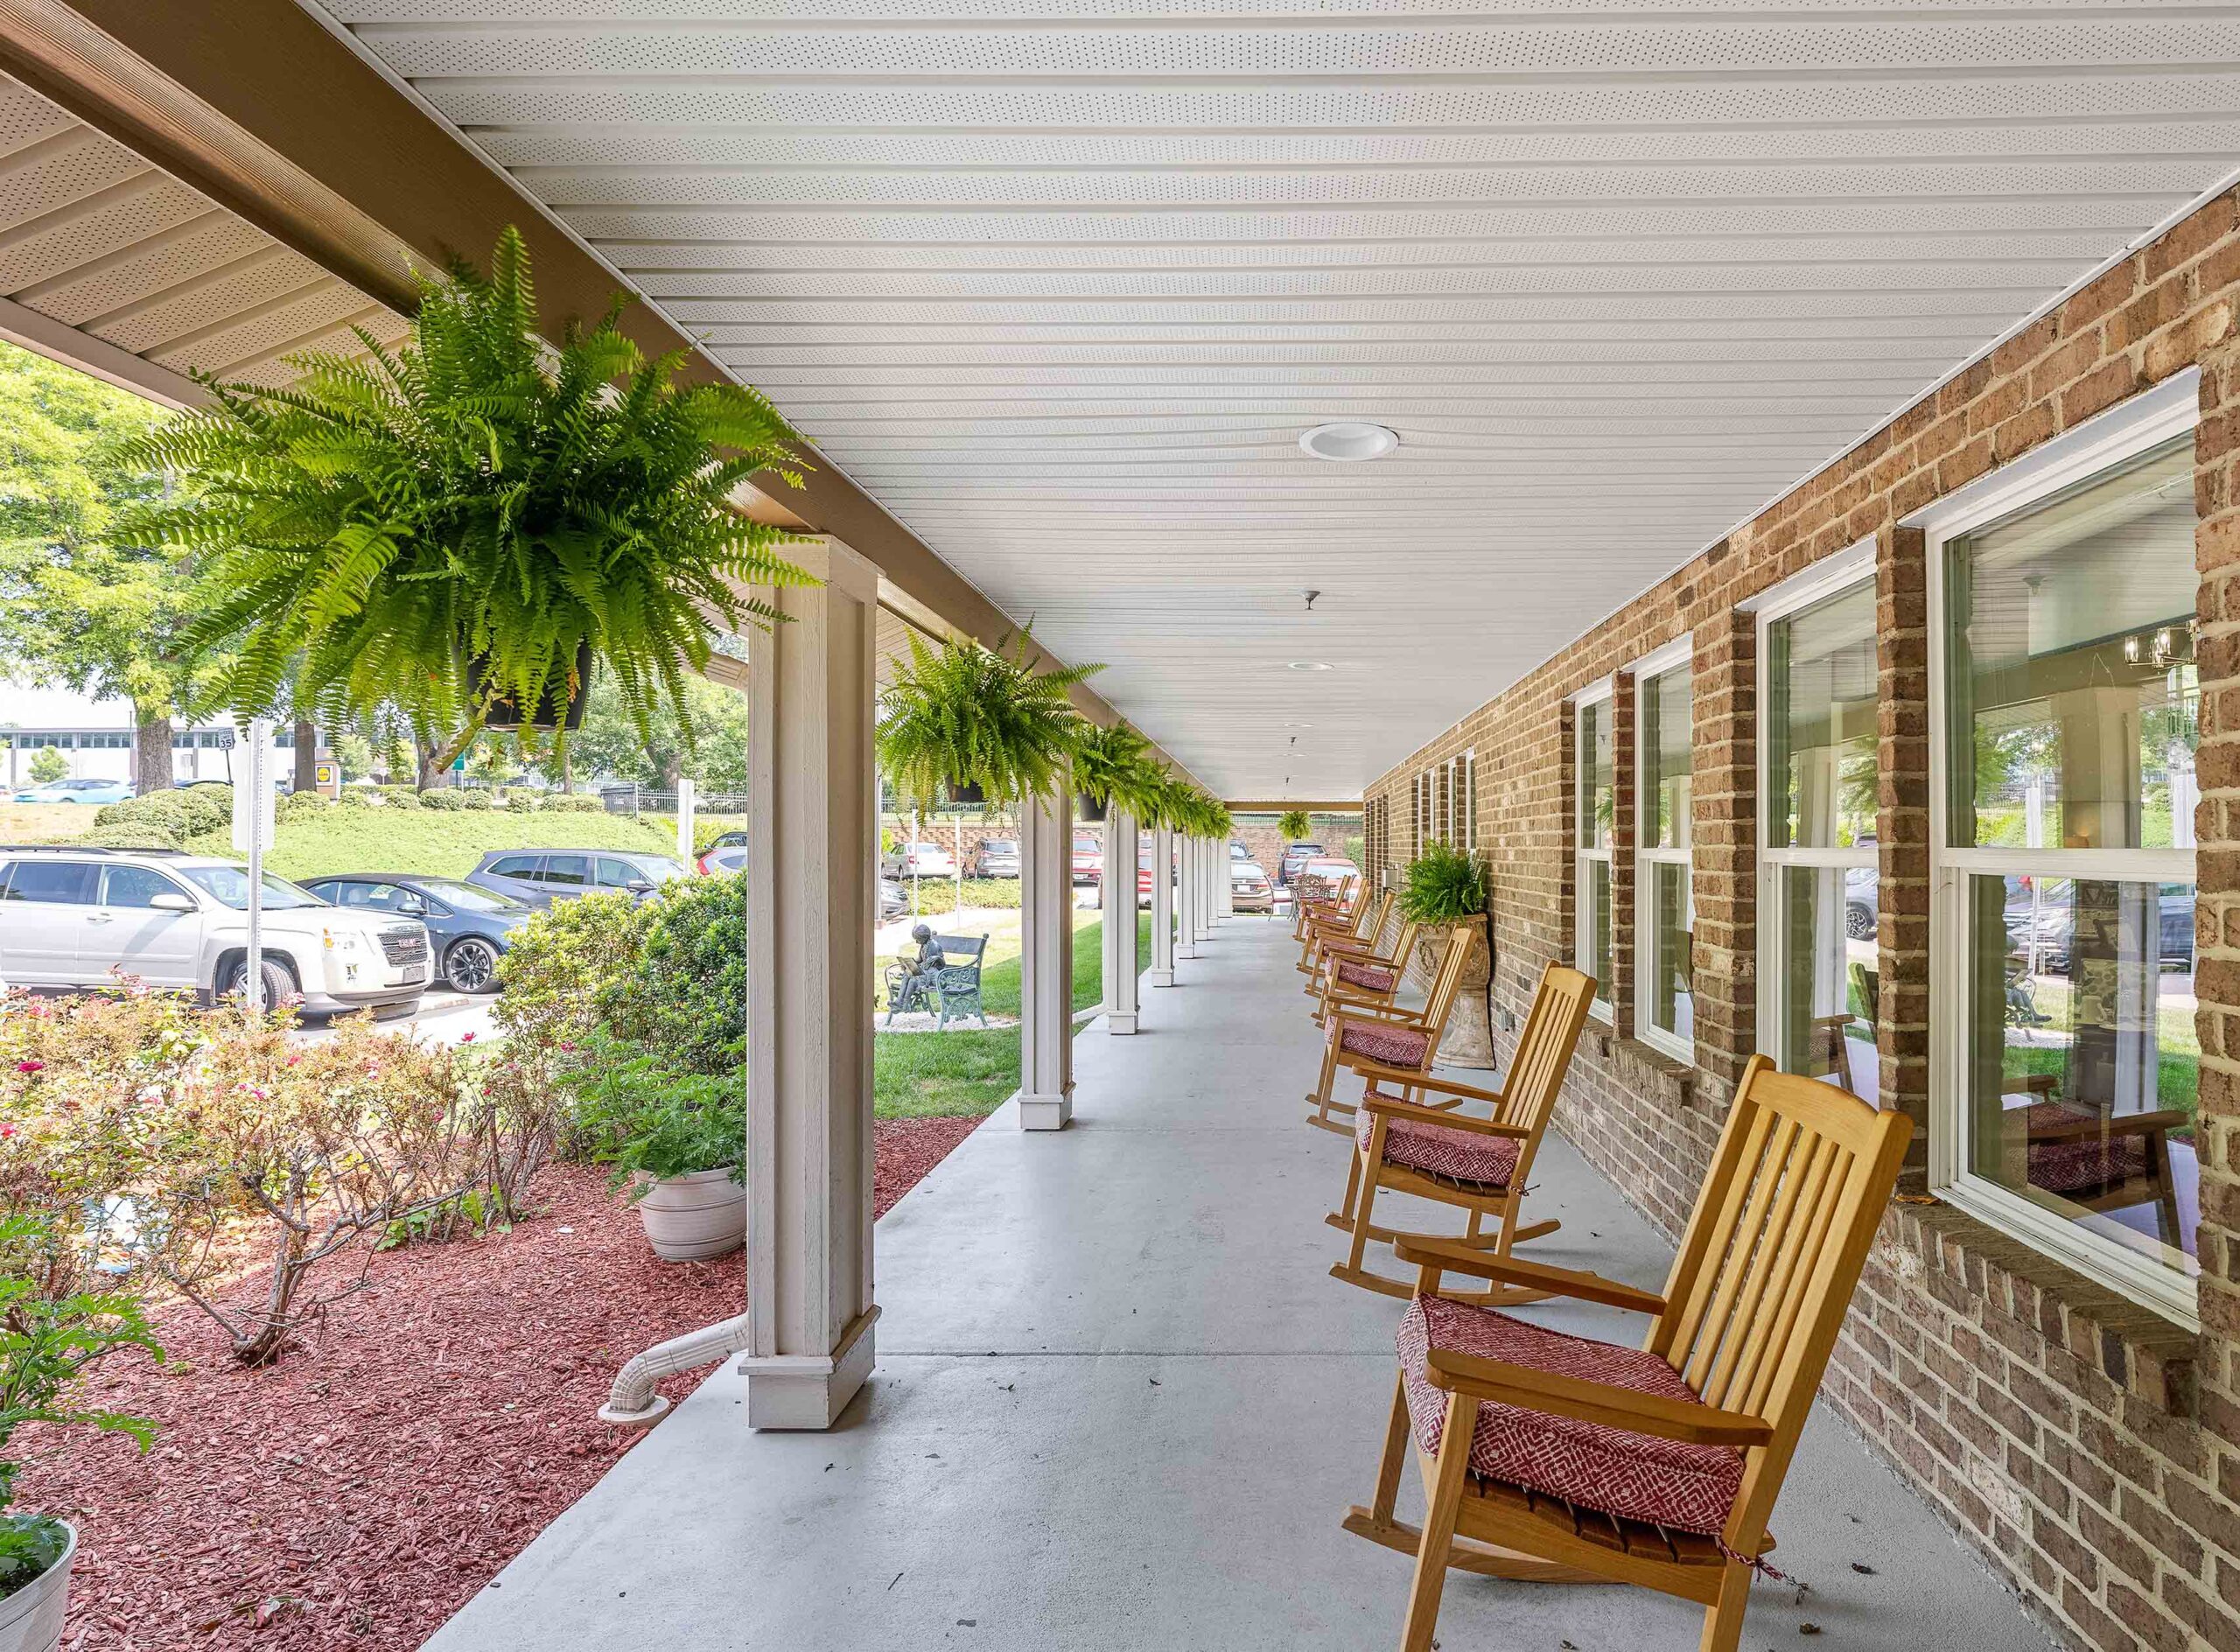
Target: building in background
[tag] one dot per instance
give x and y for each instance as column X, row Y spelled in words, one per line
column 95, row 737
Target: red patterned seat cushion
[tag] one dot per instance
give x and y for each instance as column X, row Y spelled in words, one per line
column 1395, row 1046
column 1688, row 1487
column 2085, row 1162
column 1368, row 975
column 1441, row 1150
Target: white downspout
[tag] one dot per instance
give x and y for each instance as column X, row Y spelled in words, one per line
column 633, row 1404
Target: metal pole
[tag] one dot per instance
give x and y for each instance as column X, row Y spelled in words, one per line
column 259, row 733
column 960, row 861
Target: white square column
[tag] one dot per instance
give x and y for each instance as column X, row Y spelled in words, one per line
column 813, row 844
column 1208, row 902
column 1224, row 885
column 1185, row 905
column 1045, row 890
column 1121, row 985
column 1162, row 970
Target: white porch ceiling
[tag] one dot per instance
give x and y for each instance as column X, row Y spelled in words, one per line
column 1061, row 283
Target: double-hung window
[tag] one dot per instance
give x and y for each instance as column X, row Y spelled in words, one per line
column 1594, row 816
column 1819, row 891
column 1664, row 1014
column 2065, row 718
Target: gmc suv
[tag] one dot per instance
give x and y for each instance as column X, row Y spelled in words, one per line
column 72, row 917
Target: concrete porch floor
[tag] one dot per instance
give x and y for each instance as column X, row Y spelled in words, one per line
column 1120, row 1403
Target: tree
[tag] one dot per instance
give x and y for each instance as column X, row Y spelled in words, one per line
column 47, row 764
column 609, row 742
column 78, row 610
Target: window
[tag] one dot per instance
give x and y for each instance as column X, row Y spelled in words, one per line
column 572, row 869
column 617, row 874
column 2066, row 718
column 520, row 866
column 1818, row 886
column 1664, row 1011
column 1594, row 816
column 134, row 886
column 51, row 883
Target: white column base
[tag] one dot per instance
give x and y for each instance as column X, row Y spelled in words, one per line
column 1044, row 1112
column 1158, row 977
column 1120, row 1020
column 797, row 1391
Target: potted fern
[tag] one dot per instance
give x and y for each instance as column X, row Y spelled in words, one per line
column 1442, row 887
column 978, row 724
column 1114, row 765
column 1294, row 826
column 466, row 528
column 47, row 1344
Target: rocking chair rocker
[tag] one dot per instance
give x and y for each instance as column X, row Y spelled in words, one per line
column 1478, row 1165
column 1555, row 1458
column 1407, row 1039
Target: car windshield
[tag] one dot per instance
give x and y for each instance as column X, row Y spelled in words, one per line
column 660, row 868
column 467, row 898
column 230, row 884
column 1000, row 846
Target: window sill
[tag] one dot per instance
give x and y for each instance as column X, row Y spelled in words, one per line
column 1642, row 1065
column 1970, row 1266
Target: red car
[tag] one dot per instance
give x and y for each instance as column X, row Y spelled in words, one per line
column 1088, row 859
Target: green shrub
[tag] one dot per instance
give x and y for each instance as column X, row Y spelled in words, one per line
column 296, row 805
column 645, row 1116
column 130, row 837
column 399, row 796
column 473, row 800
column 557, row 965
column 687, row 997
column 560, row 805
column 443, row 797
column 355, row 797
column 184, row 813
column 1442, row 884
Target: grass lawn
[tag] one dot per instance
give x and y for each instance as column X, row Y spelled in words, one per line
column 434, row 843
column 972, row 1072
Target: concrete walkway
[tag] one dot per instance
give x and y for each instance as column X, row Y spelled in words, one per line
column 1120, row 1403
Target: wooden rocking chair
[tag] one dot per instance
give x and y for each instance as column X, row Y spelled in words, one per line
column 1313, row 897
column 1556, row 1459
column 1478, row 1165
column 1355, row 933
column 1370, row 979
column 1404, row 1039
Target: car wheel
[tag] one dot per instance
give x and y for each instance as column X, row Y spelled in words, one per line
column 278, row 983
column 1859, row 922
column 472, row 965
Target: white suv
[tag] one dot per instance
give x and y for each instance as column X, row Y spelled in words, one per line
column 82, row 917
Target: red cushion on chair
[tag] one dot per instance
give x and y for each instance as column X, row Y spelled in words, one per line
column 1395, row 1046
column 1441, row 1150
column 2080, row 1164
column 1370, row 976
column 1633, row 1476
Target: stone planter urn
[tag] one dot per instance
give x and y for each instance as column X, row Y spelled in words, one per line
column 30, row 1619
column 689, row 1219
column 1469, row 1039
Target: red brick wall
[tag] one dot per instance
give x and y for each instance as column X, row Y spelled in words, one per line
column 2088, row 1449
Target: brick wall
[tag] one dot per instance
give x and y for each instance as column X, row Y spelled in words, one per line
column 2088, row 1449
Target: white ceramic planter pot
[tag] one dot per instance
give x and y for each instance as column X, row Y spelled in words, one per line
column 687, row 1219
column 30, row 1619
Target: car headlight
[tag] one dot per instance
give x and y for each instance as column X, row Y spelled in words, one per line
column 344, row 941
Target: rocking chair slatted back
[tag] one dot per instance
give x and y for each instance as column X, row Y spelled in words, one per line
column 1771, row 1256
column 1364, row 922
column 1544, row 1054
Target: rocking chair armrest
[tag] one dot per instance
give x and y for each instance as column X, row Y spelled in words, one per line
column 1375, row 1070
column 1449, row 1257
column 1591, row 1402
column 1393, row 1107
column 1354, row 1012
column 1345, row 998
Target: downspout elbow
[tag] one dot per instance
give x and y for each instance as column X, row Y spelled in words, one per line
column 633, row 1402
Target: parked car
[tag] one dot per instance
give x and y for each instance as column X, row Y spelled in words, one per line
column 917, row 860
column 73, row 917
column 1088, row 859
column 722, row 860
column 894, row 900
column 469, row 927
column 1249, row 888
column 2055, row 923
column 1333, row 869
column 729, row 840
column 995, row 857
column 541, row 878
column 1295, row 856
column 67, row 791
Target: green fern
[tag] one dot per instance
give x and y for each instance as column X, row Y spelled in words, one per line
column 966, row 714
column 1443, row 885
column 1294, row 825
column 1114, row 766
column 442, row 528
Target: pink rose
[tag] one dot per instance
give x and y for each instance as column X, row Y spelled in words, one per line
column 30, row 1067
column 466, row 1037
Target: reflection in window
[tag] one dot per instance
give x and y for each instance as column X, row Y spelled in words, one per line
column 1666, row 1002
column 2072, row 716
column 1594, row 814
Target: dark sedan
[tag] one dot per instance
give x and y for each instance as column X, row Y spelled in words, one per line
column 469, row 927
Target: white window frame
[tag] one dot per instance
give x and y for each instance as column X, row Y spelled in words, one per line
column 2168, row 411
column 1833, row 576
column 1598, row 697
column 1680, row 651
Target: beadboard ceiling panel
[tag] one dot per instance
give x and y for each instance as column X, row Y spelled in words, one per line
column 1061, row 283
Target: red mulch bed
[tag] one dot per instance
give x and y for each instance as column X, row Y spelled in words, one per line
column 355, row 1494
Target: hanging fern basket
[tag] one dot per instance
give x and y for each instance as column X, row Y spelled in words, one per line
column 967, row 793
column 1087, row 808
column 551, row 712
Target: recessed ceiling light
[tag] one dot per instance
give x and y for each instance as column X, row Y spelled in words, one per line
column 1349, row 441
column 1298, row 725
column 1312, row 665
